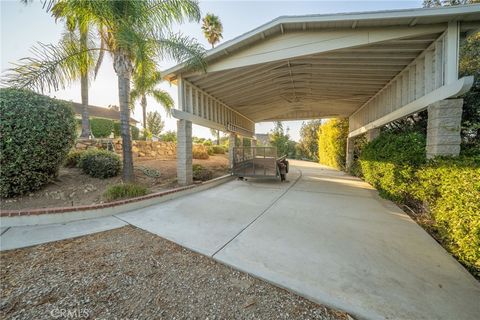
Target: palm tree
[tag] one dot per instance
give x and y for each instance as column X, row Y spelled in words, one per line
column 78, row 37
column 131, row 30
column 145, row 84
column 212, row 28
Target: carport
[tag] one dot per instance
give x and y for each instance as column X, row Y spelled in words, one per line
column 372, row 67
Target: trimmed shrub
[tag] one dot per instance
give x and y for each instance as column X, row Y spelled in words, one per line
column 210, row 150
column 201, row 173
column 72, row 158
column 36, row 133
column 218, row 150
column 207, row 143
column 332, row 139
column 100, row 163
column 149, row 172
column 389, row 163
column 135, row 132
column 199, row 152
column 124, row 191
column 450, row 188
column 101, row 128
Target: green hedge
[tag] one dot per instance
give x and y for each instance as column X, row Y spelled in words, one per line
column 451, row 189
column 101, row 128
column 36, row 134
column 448, row 187
column 116, row 129
column 332, row 139
column 390, row 161
column 135, row 133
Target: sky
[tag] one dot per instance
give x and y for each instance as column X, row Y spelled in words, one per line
column 23, row 26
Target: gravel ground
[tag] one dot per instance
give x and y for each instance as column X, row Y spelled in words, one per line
column 128, row 273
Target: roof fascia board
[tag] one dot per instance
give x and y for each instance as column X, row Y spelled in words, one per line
column 169, row 74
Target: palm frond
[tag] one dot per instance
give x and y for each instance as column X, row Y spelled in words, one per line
column 134, row 96
column 51, row 67
column 164, row 99
column 101, row 54
column 182, row 49
column 165, row 13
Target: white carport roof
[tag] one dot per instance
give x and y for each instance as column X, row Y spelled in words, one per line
column 316, row 66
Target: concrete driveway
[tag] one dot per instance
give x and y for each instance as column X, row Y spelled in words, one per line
column 325, row 235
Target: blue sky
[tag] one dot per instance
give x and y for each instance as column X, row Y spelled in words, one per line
column 23, row 26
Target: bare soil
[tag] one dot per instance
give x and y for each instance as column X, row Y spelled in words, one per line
column 128, row 273
column 74, row 188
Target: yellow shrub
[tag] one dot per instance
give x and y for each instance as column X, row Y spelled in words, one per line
column 332, row 139
column 200, row 152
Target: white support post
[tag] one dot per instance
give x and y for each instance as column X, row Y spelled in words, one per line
column 443, row 129
column 181, row 94
column 451, row 60
column 184, row 152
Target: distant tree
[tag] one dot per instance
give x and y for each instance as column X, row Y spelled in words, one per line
column 155, row 124
column 216, row 134
column 280, row 139
column 212, row 28
column 308, row 145
column 169, row 136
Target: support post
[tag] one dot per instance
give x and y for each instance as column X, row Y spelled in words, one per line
column 443, row 130
column 349, row 157
column 184, row 152
column 232, row 137
column 372, row 134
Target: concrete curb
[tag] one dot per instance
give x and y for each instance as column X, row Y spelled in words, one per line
column 67, row 214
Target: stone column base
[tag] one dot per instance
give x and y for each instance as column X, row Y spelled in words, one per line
column 232, row 137
column 443, row 130
column 349, row 158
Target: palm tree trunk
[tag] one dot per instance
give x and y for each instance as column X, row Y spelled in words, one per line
column 218, row 137
column 84, row 92
column 144, row 113
column 85, row 121
column 123, row 68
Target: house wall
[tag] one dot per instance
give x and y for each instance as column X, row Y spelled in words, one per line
column 140, row 149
